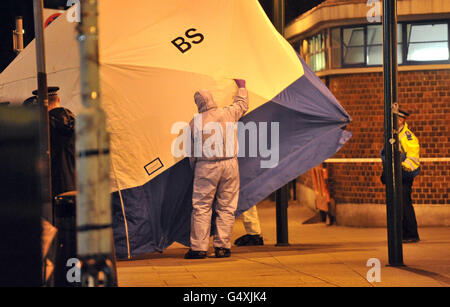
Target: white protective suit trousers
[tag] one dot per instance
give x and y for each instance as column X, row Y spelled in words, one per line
column 216, row 185
column 251, row 221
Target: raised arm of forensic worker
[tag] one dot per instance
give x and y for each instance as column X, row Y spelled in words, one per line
column 240, row 103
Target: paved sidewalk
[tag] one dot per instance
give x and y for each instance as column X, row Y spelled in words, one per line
column 318, row 256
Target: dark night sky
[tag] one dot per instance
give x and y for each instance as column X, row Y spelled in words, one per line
column 9, row 9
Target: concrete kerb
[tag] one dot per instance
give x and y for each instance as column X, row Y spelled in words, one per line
column 374, row 215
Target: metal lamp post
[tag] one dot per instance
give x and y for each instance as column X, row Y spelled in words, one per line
column 47, row 211
column 94, row 218
column 282, row 194
column 392, row 164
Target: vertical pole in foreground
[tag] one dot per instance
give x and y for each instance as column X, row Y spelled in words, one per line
column 282, row 195
column 392, row 162
column 38, row 8
column 94, row 233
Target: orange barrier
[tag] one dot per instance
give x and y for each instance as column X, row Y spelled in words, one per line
column 323, row 200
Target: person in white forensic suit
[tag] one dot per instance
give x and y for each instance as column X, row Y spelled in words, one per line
column 216, row 171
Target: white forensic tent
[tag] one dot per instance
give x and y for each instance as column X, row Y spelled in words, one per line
column 153, row 56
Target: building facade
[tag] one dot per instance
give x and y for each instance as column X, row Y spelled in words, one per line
column 342, row 41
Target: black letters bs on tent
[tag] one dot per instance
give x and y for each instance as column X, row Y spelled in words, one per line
column 183, row 45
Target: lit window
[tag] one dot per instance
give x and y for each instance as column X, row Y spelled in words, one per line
column 316, row 54
column 353, row 43
column 427, row 42
column 375, row 45
column 362, row 45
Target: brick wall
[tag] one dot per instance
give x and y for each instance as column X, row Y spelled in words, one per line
column 426, row 96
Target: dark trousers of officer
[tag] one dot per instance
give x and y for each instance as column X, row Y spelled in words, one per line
column 409, row 216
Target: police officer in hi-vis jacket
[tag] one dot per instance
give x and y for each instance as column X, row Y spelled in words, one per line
column 409, row 147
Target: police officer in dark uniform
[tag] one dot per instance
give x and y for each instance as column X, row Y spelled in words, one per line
column 62, row 143
column 410, row 151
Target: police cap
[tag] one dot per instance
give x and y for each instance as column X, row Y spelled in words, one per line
column 30, row 101
column 52, row 90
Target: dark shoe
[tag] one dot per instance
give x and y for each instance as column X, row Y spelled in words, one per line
column 195, row 254
column 411, row 240
column 222, row 252
column 249, row 240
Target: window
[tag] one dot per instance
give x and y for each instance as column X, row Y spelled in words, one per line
column 418, row 43
column 316, row 52
column 375, row 45
column 353, row 46
column 427, row 42
column 361, row 46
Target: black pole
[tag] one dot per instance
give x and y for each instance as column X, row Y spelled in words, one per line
column 282, row 195
column 38, row 8
column 40, row 52
column 392, row 164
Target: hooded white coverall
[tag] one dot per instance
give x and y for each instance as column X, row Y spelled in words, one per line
column 216, row 176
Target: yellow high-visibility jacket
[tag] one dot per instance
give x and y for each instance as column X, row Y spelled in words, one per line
column 409, row 145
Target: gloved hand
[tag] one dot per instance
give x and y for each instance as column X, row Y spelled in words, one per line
column 240, row 83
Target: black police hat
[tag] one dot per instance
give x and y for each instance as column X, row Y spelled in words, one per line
column 52, row 90
column 402, row 113
column 30, row 101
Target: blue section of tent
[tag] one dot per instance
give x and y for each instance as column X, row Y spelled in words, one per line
column 303, row 144
column 310, row 121
column 157, row 213
column 310, row 131
column 310, row 96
